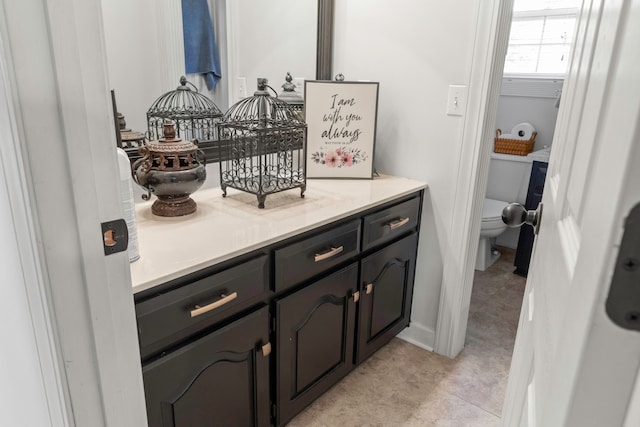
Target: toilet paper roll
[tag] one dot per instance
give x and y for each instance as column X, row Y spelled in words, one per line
column 522, row 131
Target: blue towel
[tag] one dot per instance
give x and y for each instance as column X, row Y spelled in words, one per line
column 200, row 49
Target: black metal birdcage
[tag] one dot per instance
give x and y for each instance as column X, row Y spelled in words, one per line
column 195, row 116
column 262, row 146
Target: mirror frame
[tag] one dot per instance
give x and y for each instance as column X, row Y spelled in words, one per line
column 325, row 39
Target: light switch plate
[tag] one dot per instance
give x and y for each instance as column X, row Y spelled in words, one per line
column 242, row 87
column 457, row 100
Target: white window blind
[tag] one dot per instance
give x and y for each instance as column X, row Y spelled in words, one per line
column 541, row 37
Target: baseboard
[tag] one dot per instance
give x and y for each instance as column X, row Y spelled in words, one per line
column 419, row 335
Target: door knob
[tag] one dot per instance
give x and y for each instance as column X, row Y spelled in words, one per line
column 514, row 215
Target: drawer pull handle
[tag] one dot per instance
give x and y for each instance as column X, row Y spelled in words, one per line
column 197, row 311
column 266, row 349
column 333, row 252
column 369, row 288
column 398, row 223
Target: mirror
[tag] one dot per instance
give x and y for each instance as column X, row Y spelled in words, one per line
column 145, row 54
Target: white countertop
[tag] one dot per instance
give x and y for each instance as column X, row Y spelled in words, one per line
column 223, row 228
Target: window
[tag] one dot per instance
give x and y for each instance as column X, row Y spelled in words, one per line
column 541, row 37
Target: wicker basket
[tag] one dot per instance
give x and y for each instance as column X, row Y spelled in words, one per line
column 518, row 147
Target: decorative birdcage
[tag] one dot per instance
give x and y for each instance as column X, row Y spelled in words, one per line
column 194, row 115
column 262, row 146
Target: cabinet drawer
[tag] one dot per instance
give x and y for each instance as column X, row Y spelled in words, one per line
column 169, row 317
column 303, row 260
column 391, row 222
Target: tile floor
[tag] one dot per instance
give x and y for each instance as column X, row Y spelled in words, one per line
column 404, row 385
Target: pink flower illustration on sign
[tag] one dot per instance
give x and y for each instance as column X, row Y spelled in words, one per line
column 332, row 159
column 347, row 159
column 338, row 157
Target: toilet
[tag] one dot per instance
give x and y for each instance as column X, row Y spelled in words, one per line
column 492, row 226
column 508, row 182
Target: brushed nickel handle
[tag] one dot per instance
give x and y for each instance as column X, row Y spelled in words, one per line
column 197, row 311
column 369, row 288
column 356, row 296
column 333, row 252
column 266, row 349
column 398, row 223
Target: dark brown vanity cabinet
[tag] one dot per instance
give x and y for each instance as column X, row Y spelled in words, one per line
column 221, row 379
column 315, row 330
column 325, row 299
column 385, row 295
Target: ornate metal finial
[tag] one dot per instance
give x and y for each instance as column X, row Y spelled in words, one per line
column 183, row 84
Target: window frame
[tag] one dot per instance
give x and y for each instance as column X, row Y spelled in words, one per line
column 541, row 13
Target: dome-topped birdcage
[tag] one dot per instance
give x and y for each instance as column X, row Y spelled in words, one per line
column 262, row 146
column 194, row 115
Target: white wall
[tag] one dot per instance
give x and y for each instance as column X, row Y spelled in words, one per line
column 271, row 39
column 133, row 57
column 145, row 54
column 415, row 49
column 22, row 394
column 529, row 100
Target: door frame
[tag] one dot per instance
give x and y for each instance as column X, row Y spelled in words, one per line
column 492, row 35
column 64, row 144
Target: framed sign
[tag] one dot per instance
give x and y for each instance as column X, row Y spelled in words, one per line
column 341, row 128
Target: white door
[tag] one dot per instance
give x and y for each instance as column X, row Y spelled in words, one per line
column 571, row 365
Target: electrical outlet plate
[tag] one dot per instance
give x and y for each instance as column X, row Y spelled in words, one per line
column 457, row 100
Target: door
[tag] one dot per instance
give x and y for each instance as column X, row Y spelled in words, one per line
column 571, row 365
column 315, row 334
column 385, row 295
column 221, row 379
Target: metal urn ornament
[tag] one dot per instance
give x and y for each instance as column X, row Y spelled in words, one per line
column 290, row 95
column 171, row 169
column 262, row 146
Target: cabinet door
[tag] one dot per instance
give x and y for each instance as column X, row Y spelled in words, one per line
column 315, row 330
column 385, row 295
column 222, row 379
column 534, row 197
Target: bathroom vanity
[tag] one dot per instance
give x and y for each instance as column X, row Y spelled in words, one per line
column 245, row 316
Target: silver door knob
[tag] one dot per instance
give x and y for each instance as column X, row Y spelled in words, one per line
column 514, row 215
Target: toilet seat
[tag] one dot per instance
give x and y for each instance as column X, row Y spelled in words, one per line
column 492, row 211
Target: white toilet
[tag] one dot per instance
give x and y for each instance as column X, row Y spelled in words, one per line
column 508, row 182
column 492, row 226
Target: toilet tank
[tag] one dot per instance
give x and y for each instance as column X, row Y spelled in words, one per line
column 509, row 177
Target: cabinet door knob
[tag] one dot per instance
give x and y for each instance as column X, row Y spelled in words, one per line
column 356, row 296
column 398, row 223
column 329, row 254
column 197, row 310
column 369, row 288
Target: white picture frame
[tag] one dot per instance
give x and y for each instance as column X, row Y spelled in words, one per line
column 341, row 122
